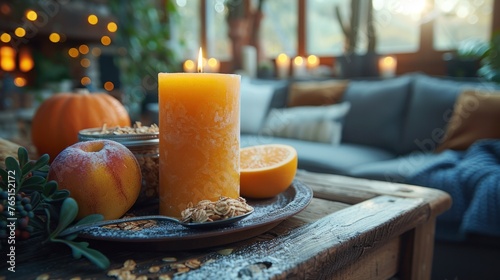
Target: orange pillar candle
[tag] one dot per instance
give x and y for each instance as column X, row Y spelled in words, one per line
column 199, row 123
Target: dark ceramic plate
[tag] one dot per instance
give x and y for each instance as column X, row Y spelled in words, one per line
column 169, row 236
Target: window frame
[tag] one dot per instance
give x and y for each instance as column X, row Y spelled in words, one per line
column 425, row 59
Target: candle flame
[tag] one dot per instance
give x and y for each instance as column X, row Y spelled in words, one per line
column 200, row 61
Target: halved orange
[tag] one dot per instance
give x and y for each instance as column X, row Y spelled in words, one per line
column 266, row 170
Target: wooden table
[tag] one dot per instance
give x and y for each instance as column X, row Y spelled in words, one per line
column 352, row 229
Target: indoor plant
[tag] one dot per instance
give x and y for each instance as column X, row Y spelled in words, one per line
column 465, row 62
column 353, row 64
column 490, row 64
column 145, row 40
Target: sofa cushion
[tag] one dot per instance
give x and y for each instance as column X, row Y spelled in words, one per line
column 316, row 93
column 377, row 110
column 319, row 157
column 255, row 104
column 309, row 123
column 476, row 115
column 280, row 95
column 430, row 108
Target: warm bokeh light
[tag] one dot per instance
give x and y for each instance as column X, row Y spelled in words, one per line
column 96, row 51
column 26, row 62
column 20, row 32
column 109, row 86
column 112, row 27
column 298, row 60
column 312, row 61
column 387, row 66
column 73, row 52
column 31, row 15
column 389, row 61
column 93, row 19
column 20, row 81
column 189, row 66
column 85, row 81
column 84, row 49
column 85, row 62
column 213, row 65
column 5, row 9
column 105, row 40
column 282, row 66
column 7, row 58
column 54, row 37
column 212, row 62
column 282, row 58
column 5, row 37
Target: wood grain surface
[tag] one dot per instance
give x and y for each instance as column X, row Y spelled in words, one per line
column 352, row 229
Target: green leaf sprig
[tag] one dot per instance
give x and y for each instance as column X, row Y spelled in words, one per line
column 51, row 210
column 69, row 210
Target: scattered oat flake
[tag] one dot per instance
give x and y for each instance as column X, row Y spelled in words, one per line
column 142, row 277
column 177, row 265
column 208, row 261
column 114, row 272
column 225, row 252
column 126, row 275
column 154, row 269
column 169, row 259
column 44, row 276
column 193, row 263
column 164, row 277
column 76, row 278
column 129, row 264
column 182, row 270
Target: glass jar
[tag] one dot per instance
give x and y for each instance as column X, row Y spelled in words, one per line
column 145, row 147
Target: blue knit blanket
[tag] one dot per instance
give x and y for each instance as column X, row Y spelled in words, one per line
column 472, row 178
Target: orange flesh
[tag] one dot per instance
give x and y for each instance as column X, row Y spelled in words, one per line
column 262, row 157
column 267, row 170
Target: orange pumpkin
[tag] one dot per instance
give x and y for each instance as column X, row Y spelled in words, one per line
column 58, row 120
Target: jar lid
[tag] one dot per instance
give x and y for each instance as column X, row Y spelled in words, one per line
column 125, row 139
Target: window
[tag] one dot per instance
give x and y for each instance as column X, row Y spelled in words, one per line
column 188, row 31
column 396, row 26
column 462, row 21
column 397, row 23
column 218, row 42
column 323, row 34
column 278, row 31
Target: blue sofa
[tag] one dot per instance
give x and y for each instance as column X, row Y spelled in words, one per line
column 391, row 130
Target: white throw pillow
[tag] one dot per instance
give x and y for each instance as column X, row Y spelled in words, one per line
column 311, row 123
column 254, row 106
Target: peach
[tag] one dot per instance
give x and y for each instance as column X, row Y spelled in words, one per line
column 103, row 176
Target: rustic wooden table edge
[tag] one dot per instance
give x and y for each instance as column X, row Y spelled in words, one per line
column 418, row 242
